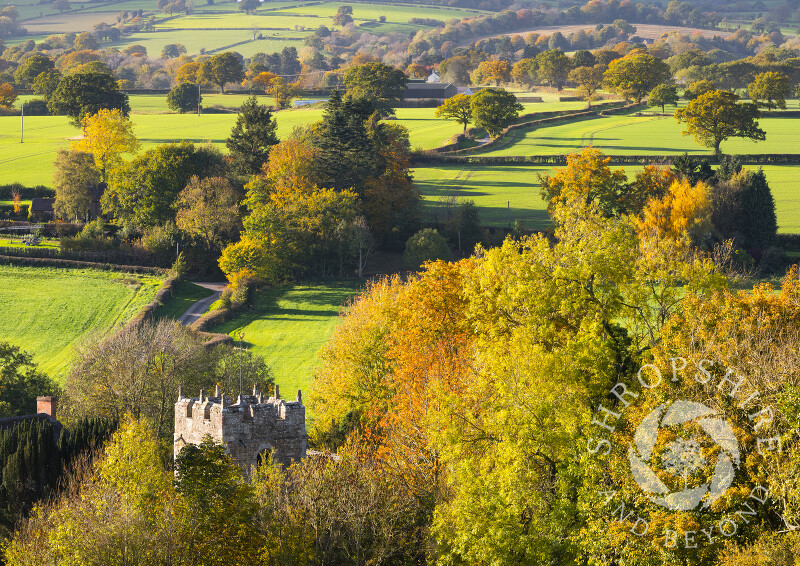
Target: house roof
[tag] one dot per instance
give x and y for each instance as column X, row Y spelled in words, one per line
column 430, row 90
column 42, row 204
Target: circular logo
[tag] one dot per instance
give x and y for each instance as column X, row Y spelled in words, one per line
column 684, row 456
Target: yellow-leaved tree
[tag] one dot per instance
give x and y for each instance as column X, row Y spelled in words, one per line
column 107, row 135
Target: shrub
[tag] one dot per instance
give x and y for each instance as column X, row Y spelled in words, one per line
column 426, row 245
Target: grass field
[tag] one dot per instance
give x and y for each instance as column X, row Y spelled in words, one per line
column 49, row 312
column 642, row 136
column 221, row 25
column 288, row 325
column 31, row 162
column 503, row 192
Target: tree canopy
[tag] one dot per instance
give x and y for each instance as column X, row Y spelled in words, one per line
column 377, row 82
column 222, row 68
column 716, row 116
column 85, row 94
column 252, row 137
column 636, row 74
column 494, row 110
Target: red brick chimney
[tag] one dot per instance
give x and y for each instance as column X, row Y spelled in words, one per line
column 46, row 405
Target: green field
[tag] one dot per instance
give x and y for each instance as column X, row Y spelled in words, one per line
column 49, row 312
column 221, row 26
column 288, row 325
column 503, row 192
column 30, row 163
column 632, row 135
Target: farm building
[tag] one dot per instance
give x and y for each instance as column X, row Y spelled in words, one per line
column 429, row 91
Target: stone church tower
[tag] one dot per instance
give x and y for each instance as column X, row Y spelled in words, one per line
column 252, row 428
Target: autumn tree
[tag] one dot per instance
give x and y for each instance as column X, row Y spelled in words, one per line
column 663, row 95
column 636, row 74
column 589, row 81
column 743, row 208
column 188, row 73
column 252, row 137
column 457, row 107
column 494, row 110
column 8, row 94
column 716, row 116
column 770, row 89
column 493, row 71
column 209, row 210
column 107, row 135
column 291, row 234
column 221, row 69
column 75, row 173
column 524, row 72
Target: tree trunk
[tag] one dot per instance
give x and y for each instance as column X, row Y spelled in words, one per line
column 716, row 147
column 663, row 109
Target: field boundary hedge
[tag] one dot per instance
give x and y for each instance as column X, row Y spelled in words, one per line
column 542, row 119
column 749, row 159
column 57, row 262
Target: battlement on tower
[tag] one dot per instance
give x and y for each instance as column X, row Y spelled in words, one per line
column 251, row 427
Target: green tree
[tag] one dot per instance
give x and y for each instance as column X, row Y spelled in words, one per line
column 173, row 50
column 249, row 6
column 636, row 74
column 221, row 69
column 663, row 95
column 457, row 107
column 46, row 83
column 215, row 507
column 144, row 192
column 426, row 245
column 61, row 5
column 74, row 175
column 524, row 72
column 184, row 98
column 85, row 94
column 20, row 382
column 589, row 81
column 343, row 16
column 770, row 89
column 697, row 88
column 553, row 67
column 379, row 83
column 252, row 137
column 209, row 210
column 742, row 207
column 32, row 67
column 86, row 41
column 494, row 110
column 716, row 116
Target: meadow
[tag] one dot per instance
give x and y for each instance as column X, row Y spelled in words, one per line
column 288, row 325
column 30, row 163
column 508, row 193
column 641, row 135
column 218, row 26
column 51, row 311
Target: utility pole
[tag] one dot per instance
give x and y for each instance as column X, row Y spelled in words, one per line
column 22, row 124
